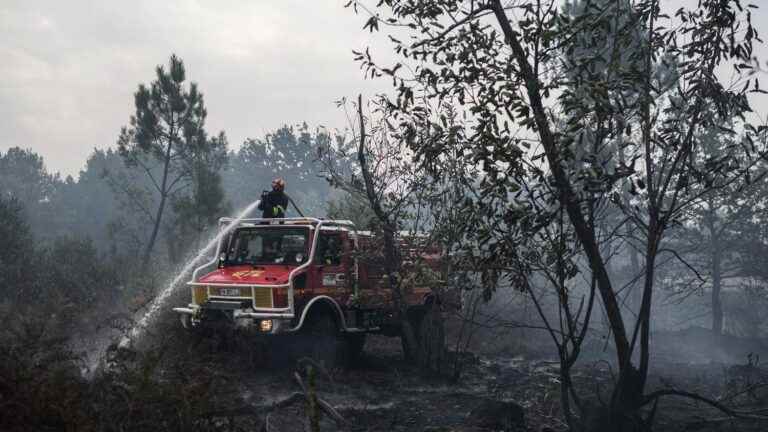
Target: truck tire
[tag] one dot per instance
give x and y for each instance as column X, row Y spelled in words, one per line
column 354, row 347
column 323, row 340
column 429, row 335
column 415, row 318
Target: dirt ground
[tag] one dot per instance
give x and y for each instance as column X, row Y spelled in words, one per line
column 384, row 393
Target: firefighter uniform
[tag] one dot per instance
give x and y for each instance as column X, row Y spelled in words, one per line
column 273, row 204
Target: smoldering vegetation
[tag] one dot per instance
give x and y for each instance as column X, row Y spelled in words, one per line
column 61, row 366
column 501, row 374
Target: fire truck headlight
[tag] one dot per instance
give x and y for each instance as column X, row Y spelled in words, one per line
column 265, row 325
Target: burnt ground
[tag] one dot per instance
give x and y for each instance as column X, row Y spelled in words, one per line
column 384, row 393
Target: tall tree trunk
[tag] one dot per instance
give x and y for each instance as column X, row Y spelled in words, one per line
column 391, row 252
column 717, row 277
column 636, row 291
column 173, row 240
column 161, row 205
column 623, row 412
column 717, row 302
column 644, row 317
column 567, row 196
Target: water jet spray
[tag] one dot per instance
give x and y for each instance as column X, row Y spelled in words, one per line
column 154, row 307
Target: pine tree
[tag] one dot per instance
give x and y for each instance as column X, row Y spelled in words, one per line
column 164, row 138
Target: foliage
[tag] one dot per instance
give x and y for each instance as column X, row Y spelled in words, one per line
column 87, row 206
column 550, row 115
column 23, row 175
column 17, row 251
column 717, row 225
column 290, row 153
column 374, row 169
column 199, row 209
column 42, row 382
column 166, row 139
column 393, row 181
column 349, row 207
column 64, row 278
column 41, row 377
column 73, row 275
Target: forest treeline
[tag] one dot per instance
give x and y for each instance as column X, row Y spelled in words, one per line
column 105, row 201
column 99, row 221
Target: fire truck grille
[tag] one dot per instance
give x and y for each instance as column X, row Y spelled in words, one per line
column 262, row 298
column 199, row 295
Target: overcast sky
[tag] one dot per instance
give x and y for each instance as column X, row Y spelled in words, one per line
column 68, row 69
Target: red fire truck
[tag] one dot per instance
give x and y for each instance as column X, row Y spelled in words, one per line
column 300, row 275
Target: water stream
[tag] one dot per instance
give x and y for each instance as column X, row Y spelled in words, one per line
column 137, row 330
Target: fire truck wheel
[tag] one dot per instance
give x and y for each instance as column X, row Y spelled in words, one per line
column 189, row 327
column 355, row 343
column 325, row 344
column 415, row 318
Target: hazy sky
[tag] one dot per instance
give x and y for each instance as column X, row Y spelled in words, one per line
column 68, row 69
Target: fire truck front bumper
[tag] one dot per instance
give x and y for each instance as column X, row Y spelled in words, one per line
column 227, row 314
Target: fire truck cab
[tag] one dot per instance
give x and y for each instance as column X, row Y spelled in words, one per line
column 290, row 275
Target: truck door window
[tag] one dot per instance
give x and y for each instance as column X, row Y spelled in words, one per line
column 328, row 250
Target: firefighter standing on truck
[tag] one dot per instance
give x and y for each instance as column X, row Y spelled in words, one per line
column 275, row 202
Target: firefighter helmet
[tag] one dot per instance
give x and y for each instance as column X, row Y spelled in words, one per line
column 278, row 184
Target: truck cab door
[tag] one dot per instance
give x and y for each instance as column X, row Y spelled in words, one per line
column 330, row 270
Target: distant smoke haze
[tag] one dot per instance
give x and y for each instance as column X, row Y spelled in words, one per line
column 69, row 69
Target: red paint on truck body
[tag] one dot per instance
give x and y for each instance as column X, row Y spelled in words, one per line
column 250, row 275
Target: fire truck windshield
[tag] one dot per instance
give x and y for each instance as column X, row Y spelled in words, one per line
column 253, row 246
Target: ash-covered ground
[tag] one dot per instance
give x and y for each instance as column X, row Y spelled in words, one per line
column 508, row 381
